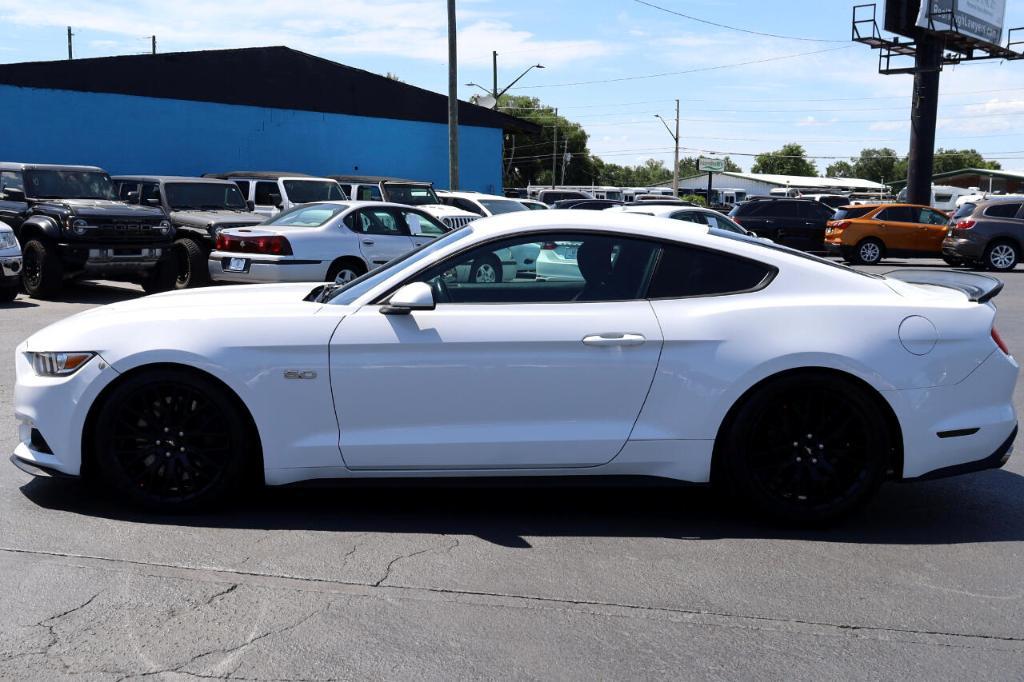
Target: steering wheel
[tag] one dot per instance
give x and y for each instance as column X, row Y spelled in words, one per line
column 440, row 289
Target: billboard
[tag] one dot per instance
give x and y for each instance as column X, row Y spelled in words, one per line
column 981, row 19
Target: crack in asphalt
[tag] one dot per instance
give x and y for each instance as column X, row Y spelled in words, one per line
column 554, row 601
column 50, row 624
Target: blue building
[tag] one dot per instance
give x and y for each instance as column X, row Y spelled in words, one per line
column 273, row 108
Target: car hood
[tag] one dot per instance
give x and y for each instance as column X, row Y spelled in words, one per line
column 213, row 218
column 106, row 208
column 444, row 210
column 142, row 318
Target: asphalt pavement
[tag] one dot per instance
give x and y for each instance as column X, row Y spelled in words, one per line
column 454, row 582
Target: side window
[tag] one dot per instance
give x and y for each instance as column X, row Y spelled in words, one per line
column 382, row 221
column 467, row 205
column 368, row 193
column 126, row 188
column 12, row 180
column 422, row 224
column 896, row 214
column 930, row 217
column 576, row 267
column 243, row 187
column 688, row 216
column 684, row 272
column 264, row 192
column 150, row 191
column 1003, row 210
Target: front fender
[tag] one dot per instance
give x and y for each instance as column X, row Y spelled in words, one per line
column 40, row 225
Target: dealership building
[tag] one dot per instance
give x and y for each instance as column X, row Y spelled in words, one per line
column 272, row 108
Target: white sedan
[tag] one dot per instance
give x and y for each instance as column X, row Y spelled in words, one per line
column 696, row 355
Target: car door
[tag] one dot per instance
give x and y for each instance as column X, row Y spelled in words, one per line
column 790, row 223
column 383, row 234
column 12, row 199
column 423, row 229
column 502, row 375
column 267, row 197
column 898, row 228
column 931, row 230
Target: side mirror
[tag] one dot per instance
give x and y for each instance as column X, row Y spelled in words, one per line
column 11, row 194
column 415, row 296
column 275, row 200
column 153, row 202
column 132, row 197
column 251, row 205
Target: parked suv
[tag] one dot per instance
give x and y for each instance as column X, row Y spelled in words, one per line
column 70, row 224
column 408, row 192
column 272, row 192
column 866, row 234
column 798, row 223
column 986, row 234
column 10, row 264
column 199, row 208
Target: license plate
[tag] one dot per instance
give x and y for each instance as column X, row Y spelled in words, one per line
column 237, row 265
column 569, row 252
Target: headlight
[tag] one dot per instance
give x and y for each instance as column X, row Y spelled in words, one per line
column 164, row 226
column 58, row 364
column 80, row 226
column 7, row 240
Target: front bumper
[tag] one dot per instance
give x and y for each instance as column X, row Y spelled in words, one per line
column 10, row 268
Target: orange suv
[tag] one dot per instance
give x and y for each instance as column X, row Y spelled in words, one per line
column 866, row 234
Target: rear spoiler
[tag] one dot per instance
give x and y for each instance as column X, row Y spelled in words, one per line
column 979, row 288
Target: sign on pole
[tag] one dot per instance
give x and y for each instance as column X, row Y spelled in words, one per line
column 710, row 165
column 981, row 19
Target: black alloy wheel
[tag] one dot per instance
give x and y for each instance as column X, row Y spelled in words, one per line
column 42, row 272
column 171, row 441
column 807, row 448
column 190, row 264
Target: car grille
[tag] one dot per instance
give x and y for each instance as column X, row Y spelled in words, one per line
column 109, row 230
column 457, row 221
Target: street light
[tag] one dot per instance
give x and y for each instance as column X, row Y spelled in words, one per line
column 494, row 92
column 675, row 138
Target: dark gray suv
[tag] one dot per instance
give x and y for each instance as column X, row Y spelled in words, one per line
column 986, row 234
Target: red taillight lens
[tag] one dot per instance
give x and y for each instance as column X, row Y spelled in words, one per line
column 274, row 246
column 840, row 224
column 966, row 224
column 548, row 246
column 999, row 341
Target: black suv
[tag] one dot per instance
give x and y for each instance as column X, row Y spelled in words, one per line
column 798, row 223
column 199, row 208
column 70, row 224
column 986, row 234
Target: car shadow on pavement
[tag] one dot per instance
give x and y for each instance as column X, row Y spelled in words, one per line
column 983, row 507
column 98, row 294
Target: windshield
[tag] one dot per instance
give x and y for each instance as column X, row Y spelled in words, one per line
column 210, row 196
column 69, row 184
column 360, row 285
column 965, row 210
column 307, row 191
column 499, row 206
column 411, row 195
column 309, row 215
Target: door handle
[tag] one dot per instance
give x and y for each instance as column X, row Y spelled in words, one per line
column 614, row 340
column 368, row 242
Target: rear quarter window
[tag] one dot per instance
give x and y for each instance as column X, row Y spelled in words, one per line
column 851, row 212
column 1003, row 210
column 685, row 272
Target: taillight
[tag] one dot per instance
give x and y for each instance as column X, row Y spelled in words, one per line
column 966, row 224
column 840, row 224
column 548, row 246
column 275, row 245
column 999, row 341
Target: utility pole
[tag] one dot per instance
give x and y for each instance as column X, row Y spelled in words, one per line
column 554, row 151
column 494, row 91
column 565, row 158
column 453, row 101
column 70, row 53
column 154, row 44
column 675, row 138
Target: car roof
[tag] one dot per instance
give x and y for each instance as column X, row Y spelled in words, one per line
column 472, row 195
column 369, row 179
column 360, row 204
column 170, row 178
column 257, row 175
column 16, row 165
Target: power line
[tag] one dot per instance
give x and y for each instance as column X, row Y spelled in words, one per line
column 735, row 28
column 687, row 71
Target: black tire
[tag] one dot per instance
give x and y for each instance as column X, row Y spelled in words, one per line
column 42, row 272
column 954, row 262
column 807, row 448
column 486, row 270
column 190, row 261
column 8, row 294
column 868, row 251
column 161, row 278
column 172, row 440
column 345, row 271
column 1001, row 256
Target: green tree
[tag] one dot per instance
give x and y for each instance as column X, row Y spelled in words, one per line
column 528, row 158
column 840, row 169
column 956, row 159
column 790, row 160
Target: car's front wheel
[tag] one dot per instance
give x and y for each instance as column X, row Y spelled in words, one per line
column 172, row 440
column 1001, row 256
column 806, row 448
column 42, row 270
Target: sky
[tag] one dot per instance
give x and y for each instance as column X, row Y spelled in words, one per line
column 611, row 65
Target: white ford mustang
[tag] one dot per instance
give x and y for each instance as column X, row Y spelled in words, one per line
column 694, row 355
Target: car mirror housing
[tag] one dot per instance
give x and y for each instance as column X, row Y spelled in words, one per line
column 414, row 296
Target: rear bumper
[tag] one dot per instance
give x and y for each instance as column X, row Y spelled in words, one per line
column 994, row 461
column 265, row 269
column 958, row 247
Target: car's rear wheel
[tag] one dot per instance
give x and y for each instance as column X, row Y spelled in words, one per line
column 1001, row 256
column 42, row 270
column 868, row 252
column 191, row 264
column 485, row 270
column 171, row 440
column 806, row 448
column 345, row 271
